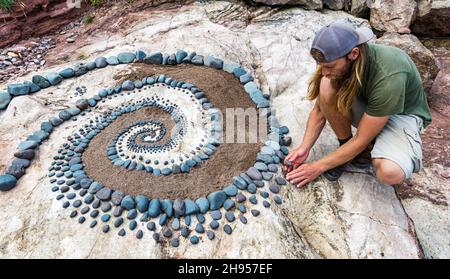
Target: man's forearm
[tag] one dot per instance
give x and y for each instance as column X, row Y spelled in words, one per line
column 314, row 126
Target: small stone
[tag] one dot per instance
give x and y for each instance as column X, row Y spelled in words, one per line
column 199, row 228
column 126, row 57
column 167, row 207
column 122, row 232
column 28, row 144
column 253, row 199
column 112, row 60
column 93, row 224
column 7, row 182
column 104, row 194
column 118, row 222
column 155, row 237
column 54, row 78
column 167, row 232
column 67, row 73
column 214, row 224
column 132, row 214
column 243, row 220
column 216, row 214
column 151, row 226
column 228, row 204
column 255, row 212
column 176, row 224
column 116, row 197
column 175, row 242
column 105, row 228
column 142, row 203
column 163, row 219
column 203, row 204
column 274, row 189
column 185, row 232
column 139, row 234
column 210, row 235
column 105, row 217
column 280, row 180
column 194, row 239
column 127, row 203
column 197, row 60
column 240, row 198
column 227, row 229
column 81, row 220
column 230, row 216
column 267, row 176
column 216, row 199
column 40, row 81
column 254, row 173
column 266, row 204
column 154, row 208
column 191, row 207
column 100, row 62
column 179, row 208
column 212, row 62
column 260, row 166
column 277, row 200
column 132, row 225
column 5, row 99
column 153, row 58
column 18, row 89
column 73, row 214
column 231, row 190
column 284, row 130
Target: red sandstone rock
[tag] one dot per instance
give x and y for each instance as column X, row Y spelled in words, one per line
column 36, row 18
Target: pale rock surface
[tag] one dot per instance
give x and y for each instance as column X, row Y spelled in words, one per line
column 392, row 15
column 355, row 217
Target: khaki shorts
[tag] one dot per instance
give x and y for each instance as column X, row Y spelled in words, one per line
column 399, row 141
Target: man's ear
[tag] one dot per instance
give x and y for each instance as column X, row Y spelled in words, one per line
column 354, row 54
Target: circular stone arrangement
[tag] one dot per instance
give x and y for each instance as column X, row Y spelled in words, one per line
column 188, row 135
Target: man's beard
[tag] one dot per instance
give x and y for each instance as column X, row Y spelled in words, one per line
column 338, row 81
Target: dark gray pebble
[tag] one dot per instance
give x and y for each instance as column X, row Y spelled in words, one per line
column 139, row 234
column 227, row 229
column 105, row 228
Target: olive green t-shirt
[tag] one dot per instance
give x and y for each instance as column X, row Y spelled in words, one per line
column 392, row 84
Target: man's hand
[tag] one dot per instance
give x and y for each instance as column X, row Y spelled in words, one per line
column 295, row 158
column 304, row 174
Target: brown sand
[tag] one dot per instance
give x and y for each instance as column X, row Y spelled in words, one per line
column 230, row 159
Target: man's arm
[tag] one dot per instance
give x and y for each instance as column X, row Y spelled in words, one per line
column 369, row 127
column 316, row 122
column 314, row 126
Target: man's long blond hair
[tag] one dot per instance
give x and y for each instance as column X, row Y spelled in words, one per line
column 347, row 88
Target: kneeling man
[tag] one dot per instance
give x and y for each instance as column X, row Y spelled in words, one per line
column 375, row 88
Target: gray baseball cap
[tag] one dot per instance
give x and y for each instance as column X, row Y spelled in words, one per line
column 338, row 39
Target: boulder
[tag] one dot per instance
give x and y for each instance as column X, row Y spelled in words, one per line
column 359, row 8
column 422, row 57
column 307, row 4
column 433, row 19
column 394, row 16
column 335, row 4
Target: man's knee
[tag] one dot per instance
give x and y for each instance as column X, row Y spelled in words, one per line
column 388, row 172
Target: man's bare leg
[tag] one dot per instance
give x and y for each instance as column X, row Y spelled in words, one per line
column 341, row 124
column 388, row 172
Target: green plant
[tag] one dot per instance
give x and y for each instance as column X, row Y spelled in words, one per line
column 95, row 3
column 6, row 5
column 87, row 19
